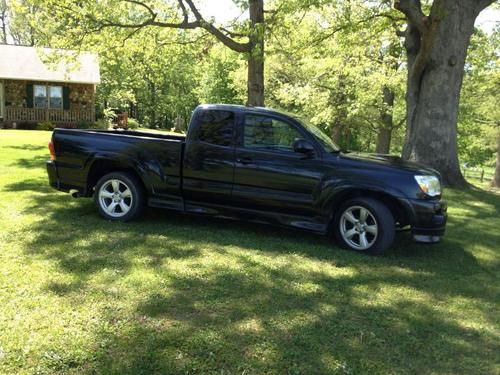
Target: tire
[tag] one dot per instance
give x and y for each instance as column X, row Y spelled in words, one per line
column 364, row 225
column 119, row 196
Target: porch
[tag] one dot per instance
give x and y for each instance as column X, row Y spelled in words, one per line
column 13, row 114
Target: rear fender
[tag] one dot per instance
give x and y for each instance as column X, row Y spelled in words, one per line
column 102, row 163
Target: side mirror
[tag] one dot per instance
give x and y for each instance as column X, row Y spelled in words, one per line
column 304, row 147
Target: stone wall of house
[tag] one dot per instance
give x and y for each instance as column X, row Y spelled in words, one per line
column 81, row 95
column 15, row 93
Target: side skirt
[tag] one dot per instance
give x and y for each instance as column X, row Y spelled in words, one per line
column 312, row 224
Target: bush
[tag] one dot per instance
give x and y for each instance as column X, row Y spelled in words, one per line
column 133, row 123
column 84, row 125
column 101, row 124
column 26, row 125
column 45, row 125
column 6, row 125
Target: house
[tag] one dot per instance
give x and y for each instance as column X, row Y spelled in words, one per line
column 61, row 92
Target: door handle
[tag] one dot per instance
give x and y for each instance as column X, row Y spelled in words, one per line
column 245, row 160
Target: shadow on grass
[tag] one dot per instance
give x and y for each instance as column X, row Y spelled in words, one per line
column 29, row 163
column 264, row 311
column 39, row 185
column 27, row 147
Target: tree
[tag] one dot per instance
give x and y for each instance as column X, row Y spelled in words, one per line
column 341, row 66
column 217, row 77
column 16, row 22
column 496, row 179
column 154, row 74
column 3, row 21
column 79, row 19
column 436, row 46
column 478, row 111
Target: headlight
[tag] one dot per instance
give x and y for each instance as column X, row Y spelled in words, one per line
column 429, row 185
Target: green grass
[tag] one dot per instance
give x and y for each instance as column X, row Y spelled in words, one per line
column 178, row 294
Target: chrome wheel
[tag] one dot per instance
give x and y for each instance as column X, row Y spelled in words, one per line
column 115, row 198
column 358, row 227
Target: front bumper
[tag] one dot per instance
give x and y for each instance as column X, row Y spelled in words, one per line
column 427, row 219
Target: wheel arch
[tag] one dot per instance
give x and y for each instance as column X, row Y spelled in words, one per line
column 102, row 166
column 397, row 209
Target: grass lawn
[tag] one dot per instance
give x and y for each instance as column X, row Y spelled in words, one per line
column 174, row 294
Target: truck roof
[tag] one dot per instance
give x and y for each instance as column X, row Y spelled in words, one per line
column 246, row 109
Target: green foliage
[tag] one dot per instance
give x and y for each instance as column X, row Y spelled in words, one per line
column 133, row 123
column 217, row 77
column 85, row 125
column 25, row 125
column 101, row 123
column 109, row 114
column 45, row 125
column 479, row 111
column 327, row 68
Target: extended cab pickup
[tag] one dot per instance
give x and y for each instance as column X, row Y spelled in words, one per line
column 253, row 164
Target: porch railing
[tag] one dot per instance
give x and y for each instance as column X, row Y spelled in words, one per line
column 52, row 115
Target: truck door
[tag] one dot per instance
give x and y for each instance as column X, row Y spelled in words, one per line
column 208, row 166
column 269, row 175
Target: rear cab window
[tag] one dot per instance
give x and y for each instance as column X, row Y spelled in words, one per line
column 215, row 127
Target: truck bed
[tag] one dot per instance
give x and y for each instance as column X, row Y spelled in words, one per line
column 133, row 133
column 157, row 157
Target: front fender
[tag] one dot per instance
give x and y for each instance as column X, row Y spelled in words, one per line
column 335, row 191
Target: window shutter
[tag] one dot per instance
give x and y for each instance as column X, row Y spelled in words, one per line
column 66, row 91
column 29, row 95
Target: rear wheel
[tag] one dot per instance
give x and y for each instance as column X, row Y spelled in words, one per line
column 365, row 225
column 119, row 196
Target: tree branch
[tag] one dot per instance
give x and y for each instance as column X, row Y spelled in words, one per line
column 226, row 40
column 358, row 23
column 101, row 24
column 233, row 34
column 412, row 9
column 185, row 24
column 482, row 4
column 144, row 5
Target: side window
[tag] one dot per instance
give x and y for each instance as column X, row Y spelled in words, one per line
column 266, row 133
column 216, row 127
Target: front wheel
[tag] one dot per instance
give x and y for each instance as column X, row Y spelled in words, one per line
column 119, row 196
column 365, row 225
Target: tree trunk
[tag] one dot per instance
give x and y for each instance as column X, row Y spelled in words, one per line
column 152, row 88
column 436, row 47
column 496, row 179
column 383, row 140
column 384, row 134
column 255, row 83
column 3, row 19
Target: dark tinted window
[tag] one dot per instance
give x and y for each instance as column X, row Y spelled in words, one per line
column 269, row 134
column 216, row 127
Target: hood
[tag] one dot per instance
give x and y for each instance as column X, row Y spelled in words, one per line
column 390, row 161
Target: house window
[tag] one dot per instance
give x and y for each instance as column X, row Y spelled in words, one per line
column 41, row 100
column 48, row 96
column 55, row 97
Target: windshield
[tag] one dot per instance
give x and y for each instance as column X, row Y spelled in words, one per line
column 321, row 137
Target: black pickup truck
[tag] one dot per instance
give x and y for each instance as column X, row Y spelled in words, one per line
column 253, row 164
